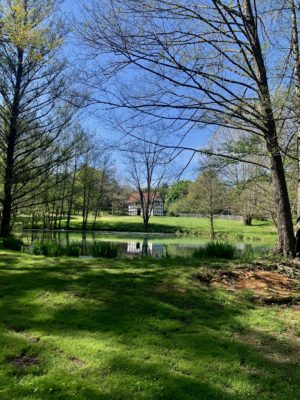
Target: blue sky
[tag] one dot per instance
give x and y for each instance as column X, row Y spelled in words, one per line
column 101, row 129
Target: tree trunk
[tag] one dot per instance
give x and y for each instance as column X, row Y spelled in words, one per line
column 71, row 197
column 212, row 231
column 146, row 220
column 247, row 219
column 6, row 213
column 63, row 194
column 296, row 55
column 286, row 237
column 9, row 161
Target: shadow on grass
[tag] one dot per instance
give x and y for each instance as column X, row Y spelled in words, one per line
column 133, row 226
column 137, row 327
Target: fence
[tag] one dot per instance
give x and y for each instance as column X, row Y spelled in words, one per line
column 216, row 216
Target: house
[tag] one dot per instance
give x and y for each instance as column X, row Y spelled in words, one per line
column 135, row 207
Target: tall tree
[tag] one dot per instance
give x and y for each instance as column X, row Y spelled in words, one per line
column 210, row 65
column 296, row 55
column 32, row 116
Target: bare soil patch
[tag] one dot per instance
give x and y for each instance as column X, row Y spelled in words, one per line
column 23, row 361
column 269, row 283
column 76, row 361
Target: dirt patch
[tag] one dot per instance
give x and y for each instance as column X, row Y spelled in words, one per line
column 76, row 361
column 266, row 285
column 280, row 285
column 23, row 361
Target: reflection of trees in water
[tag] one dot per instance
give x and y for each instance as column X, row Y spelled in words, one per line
column 121, row 246
column 248, row 249
column 67, row 238
column 145, row 248
column 175, row 250
column 84, row 245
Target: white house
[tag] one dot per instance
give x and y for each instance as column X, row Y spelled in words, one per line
column 156, row 203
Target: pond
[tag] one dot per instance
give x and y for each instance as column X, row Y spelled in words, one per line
column 155, row 245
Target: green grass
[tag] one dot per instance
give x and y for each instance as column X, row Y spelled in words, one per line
column 138, row 329
column 260, row 230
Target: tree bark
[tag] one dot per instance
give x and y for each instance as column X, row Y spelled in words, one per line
column 248, row 219
column 212, row 231
column 71, row 196
column 296, row 55
column 286, row 237
column 11, row 141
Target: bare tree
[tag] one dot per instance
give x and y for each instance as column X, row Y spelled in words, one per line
column 209, row 66
column 147, row 169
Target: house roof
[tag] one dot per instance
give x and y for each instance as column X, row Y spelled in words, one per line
column 135, row 197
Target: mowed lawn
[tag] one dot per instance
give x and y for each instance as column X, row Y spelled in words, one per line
column 138, row 329
column 260, row 230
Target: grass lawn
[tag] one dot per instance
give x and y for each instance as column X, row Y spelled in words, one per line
column 260, row 230
column 138, row 329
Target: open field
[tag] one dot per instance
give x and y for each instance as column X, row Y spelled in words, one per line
column 138, row 329
column 260, row 230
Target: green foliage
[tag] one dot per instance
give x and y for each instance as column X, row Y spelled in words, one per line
column 39, row 248
column 48, row 249
column 54, row 249
column 104, row 250
column 176, row 192
column 12, row 243
column 207, row 195
column 72, row 250
column 216, row 250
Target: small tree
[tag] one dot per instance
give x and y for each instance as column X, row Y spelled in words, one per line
column 207, row 196
column 147, row 169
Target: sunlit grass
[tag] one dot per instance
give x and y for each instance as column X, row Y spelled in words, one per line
column 138, row 329
column 260, row 230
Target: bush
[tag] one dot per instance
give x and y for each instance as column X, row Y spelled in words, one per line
column 39, row 249
column 72, row 250
column 48, row 249
column 12, row 243
column 105, row 250
column 216, row 250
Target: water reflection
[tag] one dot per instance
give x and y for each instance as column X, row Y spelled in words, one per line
column 139, row 246
column 146, row 248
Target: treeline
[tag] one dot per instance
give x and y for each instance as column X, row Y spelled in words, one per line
column 235, row 189
column 36, row 139
column 85, row 185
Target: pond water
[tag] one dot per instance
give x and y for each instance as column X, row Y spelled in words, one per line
column 155, row 245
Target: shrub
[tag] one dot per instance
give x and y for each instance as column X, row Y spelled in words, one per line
column 12, row 243
column 216, row 250
column 48, row 249
column 39, row 248
column 72, row 250
column 105, row 250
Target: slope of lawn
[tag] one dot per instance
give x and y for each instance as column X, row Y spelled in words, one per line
column 138, row 329
column 260, row 230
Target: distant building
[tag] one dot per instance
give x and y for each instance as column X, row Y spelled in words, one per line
column 135, row 207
